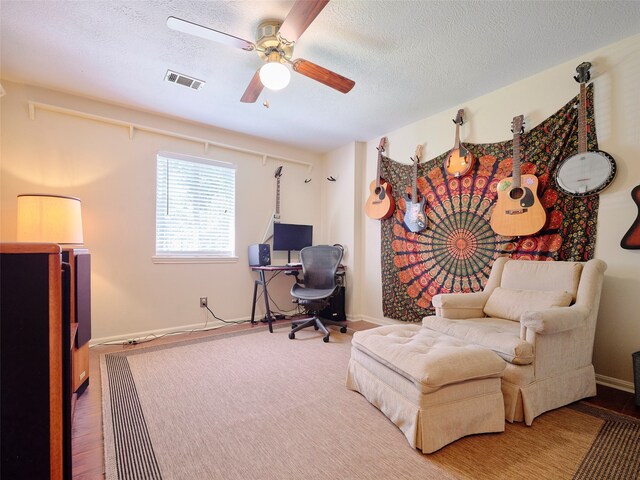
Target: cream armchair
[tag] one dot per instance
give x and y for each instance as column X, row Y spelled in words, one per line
column 538, row 316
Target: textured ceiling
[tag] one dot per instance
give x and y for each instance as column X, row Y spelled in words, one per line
column 409, row 59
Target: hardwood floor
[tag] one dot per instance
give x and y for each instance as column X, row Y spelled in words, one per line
column 87, row 442
column 616, row 400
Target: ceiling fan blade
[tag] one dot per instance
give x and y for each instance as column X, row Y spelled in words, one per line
column 254, row 89
column 300, row 17
column 185, row 26
column 322, row 75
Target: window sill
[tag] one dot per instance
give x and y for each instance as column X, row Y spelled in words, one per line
column 192, row 259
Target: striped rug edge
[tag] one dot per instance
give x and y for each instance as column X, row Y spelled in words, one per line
column 615, row 452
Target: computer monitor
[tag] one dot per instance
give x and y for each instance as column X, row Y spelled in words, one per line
column 289, row 236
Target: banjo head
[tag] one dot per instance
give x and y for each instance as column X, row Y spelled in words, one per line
column 585, row 174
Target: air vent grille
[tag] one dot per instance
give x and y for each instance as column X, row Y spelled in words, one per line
column 184, row 80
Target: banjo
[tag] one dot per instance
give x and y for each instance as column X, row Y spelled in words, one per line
column 587, row 172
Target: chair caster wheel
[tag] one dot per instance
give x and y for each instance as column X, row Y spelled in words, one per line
column 292, row 335
column 343, row 329
column 325, row 339
column 292, row 326
column 316, row 327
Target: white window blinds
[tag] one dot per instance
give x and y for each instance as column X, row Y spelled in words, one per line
column 195, row 207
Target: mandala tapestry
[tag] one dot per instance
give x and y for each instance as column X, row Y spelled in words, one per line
column 455, row 253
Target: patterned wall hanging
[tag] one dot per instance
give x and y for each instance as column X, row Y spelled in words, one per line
column 455, row 253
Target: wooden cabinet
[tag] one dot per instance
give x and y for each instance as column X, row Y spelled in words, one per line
column 35, row 363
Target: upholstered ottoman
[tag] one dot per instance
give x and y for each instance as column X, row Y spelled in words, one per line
column 434, row 387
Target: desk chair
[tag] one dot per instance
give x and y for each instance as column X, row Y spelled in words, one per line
column 319, row 266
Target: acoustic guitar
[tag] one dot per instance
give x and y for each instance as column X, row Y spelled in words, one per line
column 380, row 204
column 460, row 160
column 587, row 172
column 631, row 239
column 414, row 218
column 518, row 210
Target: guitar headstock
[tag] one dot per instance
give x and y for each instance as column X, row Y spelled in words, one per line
column 517, row 124
column 418, row 153
column 583, row 72
column 459, row 120
column 278, row 172
column 381, row 145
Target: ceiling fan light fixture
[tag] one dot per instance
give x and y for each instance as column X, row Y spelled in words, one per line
column 274, row 75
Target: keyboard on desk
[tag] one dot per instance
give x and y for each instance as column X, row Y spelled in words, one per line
column 294, row 264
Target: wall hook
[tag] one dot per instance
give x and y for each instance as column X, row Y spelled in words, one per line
column 331, row 179
column 307, row 180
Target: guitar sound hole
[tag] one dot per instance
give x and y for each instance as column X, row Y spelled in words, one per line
column 378, row 190
column 516, row 193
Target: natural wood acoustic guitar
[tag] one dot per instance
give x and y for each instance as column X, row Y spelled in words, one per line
column 518, row 211
column 380, row 204
column 414, row 217
column 460, row 160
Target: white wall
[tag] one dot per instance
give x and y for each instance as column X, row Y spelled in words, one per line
column 341, row 211
column 115, row 178
column 616, row 75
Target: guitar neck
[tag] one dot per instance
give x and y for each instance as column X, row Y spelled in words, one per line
column 516, row 160
column 414, row 186
column 582, row 119
column 456, row 144
column 380, row 148
column 379, row 173
column 278, row 198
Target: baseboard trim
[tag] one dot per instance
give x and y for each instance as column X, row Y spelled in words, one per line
column 615, row 383
column 177, row 329
column 379, row 321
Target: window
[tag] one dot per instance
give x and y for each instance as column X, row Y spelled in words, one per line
column 195, row 208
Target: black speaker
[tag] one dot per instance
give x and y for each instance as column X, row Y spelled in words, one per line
column 335, row 309
column 259, row 255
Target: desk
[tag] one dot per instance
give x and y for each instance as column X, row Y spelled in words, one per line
column 262, row 281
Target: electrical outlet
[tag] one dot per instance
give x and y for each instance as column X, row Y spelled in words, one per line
column 203, row 302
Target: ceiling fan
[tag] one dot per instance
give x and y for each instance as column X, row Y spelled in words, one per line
column 274, row 44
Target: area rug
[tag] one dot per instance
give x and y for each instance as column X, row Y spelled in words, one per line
column 260, row 406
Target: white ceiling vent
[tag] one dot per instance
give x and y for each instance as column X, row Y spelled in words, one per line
column 184, row 80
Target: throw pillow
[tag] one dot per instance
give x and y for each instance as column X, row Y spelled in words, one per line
column 511, row 304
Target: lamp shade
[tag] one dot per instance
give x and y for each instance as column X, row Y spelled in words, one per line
column 49, row 218
column 274, row 75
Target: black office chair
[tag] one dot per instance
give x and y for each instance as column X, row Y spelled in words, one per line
column 319, row 266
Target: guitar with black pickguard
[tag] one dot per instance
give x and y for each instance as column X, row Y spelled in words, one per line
column 518, row 211
column 414, row 217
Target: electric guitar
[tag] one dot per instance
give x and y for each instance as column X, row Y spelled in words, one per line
column 380, row 204
column 460, row 160
column 414, row 218
column 275, row 218
column 631, row 239
column 518, row 211
column 585, row 173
